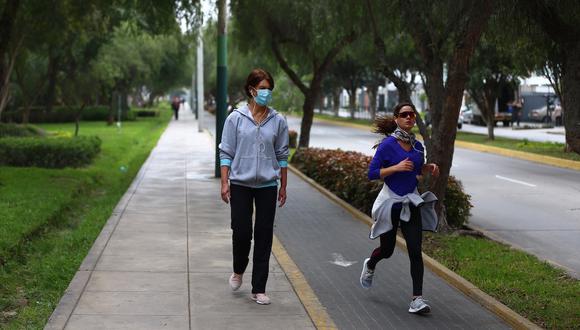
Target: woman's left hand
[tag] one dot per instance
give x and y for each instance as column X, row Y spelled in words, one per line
column 282, row 197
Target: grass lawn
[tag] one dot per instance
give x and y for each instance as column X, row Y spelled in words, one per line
column 542, row 148
column 51, row 217
column 543, row 294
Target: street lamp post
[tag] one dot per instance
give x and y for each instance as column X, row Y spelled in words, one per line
column 199, row 93
column 222, row 75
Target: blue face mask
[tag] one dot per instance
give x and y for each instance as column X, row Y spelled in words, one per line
column 263, row 97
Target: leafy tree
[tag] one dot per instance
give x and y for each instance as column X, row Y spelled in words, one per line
column 497, row 62
column 555, row 25
column 305, row 38
column 445, row 34
column 395, row 54
column 53, row 25
column 348, row 72
column 240, row 63
column 30, row 78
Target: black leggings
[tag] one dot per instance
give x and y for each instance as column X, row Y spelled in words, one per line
column 242, row 202
column 412, row 231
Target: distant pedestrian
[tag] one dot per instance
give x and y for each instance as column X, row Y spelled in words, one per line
column 398, row 161
column 175, row 104
column 254, row 156
column 517, row 111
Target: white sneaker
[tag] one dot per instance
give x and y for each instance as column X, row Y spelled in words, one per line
column 366, row 276
column 419, row 306
column 261, row 299
column 235, row 281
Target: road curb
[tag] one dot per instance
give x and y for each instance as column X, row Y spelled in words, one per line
column 314, row 308
column 546, row 160
column 512, row 318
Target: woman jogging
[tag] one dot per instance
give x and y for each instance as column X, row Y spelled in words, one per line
column 399, row 160
column 254, row 156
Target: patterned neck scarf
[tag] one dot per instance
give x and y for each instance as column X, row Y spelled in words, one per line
column 404, row 136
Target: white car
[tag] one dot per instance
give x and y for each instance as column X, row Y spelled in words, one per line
column 467, row 115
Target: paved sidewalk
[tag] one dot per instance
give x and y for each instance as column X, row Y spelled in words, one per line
column 164, row 257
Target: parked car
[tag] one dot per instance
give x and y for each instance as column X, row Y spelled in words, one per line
column 467, row 115
column 541, row 115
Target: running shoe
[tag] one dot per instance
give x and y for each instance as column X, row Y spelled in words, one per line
column 366, row 276
column 235, row 281
column 419, row 306
column 261, row 299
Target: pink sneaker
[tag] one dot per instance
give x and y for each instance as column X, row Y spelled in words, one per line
column 235, row 281
column 261, row 299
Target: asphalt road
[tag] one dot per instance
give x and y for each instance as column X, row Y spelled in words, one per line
column 531, row 206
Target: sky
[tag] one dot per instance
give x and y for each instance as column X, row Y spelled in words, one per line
column 209, row 10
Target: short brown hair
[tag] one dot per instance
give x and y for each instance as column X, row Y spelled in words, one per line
column 254, row 79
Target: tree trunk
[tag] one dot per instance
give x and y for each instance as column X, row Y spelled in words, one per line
column 307, row 116
column 403, row 88
column 352, row 101
column 112, row 107
column 124, row 103
column 571, row 95
column 372, row 90
column 7, row 56
column 151, row 100
column 336, row 101
column 435, row 94
column 53, row 65
column 490, row 95
column 489, row 101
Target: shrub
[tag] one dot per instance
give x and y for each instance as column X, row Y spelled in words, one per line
column 64, row 115
column 345, row 174
column 146, row 113
column 20, row 130
column 49, row 152
column 457, row 203
column 342, row 172
column 292, row 138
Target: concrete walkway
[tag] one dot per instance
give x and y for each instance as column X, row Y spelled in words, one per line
column 164, row 257
column 163, row 260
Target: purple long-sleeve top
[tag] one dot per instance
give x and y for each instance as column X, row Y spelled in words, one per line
column 389, row 153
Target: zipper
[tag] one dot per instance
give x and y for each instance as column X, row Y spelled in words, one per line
column 257, row 155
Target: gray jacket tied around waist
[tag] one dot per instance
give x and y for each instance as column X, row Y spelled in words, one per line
column 382, row 207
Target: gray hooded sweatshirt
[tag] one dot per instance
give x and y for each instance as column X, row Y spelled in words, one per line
column 255, row 153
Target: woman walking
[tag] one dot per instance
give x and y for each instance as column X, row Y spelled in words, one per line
column 399, row 160
column 254, row 156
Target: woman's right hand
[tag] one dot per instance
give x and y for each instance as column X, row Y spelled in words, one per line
column 226, row 192
column 405, row 165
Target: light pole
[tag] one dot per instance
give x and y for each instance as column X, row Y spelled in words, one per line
column 199, row 106
column 222, row 76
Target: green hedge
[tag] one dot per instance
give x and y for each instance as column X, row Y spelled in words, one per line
column 49, row 152
column 20, row 130
column 146, row 113
column 345, row 173
column 64, row 115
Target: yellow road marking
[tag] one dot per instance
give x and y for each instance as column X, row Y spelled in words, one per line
column 313, row 307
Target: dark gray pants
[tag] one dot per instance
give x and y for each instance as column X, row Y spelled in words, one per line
column 413, row 233
column 242, row 201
